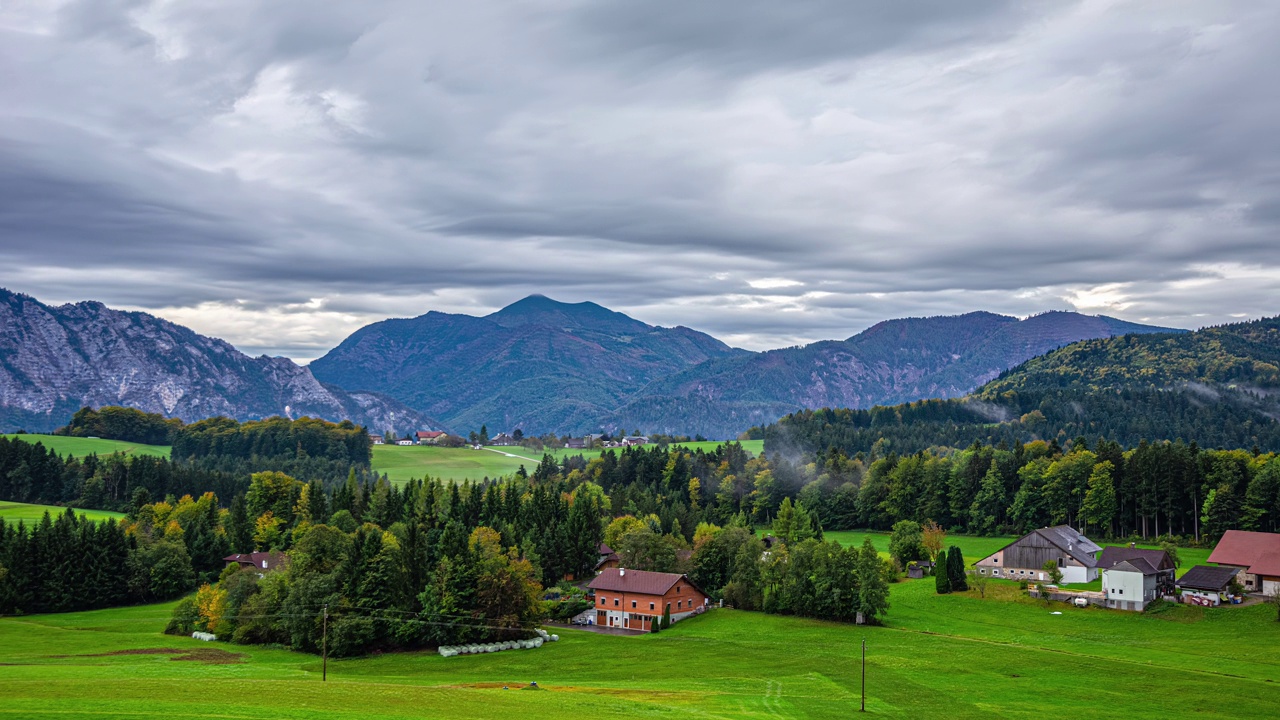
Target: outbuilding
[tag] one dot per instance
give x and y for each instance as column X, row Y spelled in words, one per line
column 1205, row 585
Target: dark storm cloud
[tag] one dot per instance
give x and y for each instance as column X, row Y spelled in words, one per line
column 279, row 173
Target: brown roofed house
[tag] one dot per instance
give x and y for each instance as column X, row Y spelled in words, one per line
column 1256, row 554
column 636, row 598
column 264, row 561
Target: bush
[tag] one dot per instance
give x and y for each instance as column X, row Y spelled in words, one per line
column 185, row 615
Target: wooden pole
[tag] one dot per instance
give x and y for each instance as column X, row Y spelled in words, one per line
column 324, row 647
column 864, row 675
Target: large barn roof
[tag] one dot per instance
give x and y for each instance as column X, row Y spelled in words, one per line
column 641, row 582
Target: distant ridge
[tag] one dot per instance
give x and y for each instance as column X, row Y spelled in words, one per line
column 544, row 365
column 1218, row 386
column 54, row 360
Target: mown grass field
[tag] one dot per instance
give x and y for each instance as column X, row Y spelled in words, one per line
column 79, row 447
column 402, row 463
column 975, row 548
column 12, row 512
column 938, row 656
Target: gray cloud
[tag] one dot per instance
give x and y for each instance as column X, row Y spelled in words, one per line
column 774, row 173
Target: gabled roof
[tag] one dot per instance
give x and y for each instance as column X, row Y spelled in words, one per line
column 641, row 582
column 604, row 549
column 428, row 434
column 1203, row 577
column 1259, row 552
column 273, row 560
column 1112, row 555
column 1138, row 565
column 1065, row 538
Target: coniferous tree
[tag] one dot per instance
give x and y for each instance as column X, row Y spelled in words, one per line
column 941, row 574
column 955, row 569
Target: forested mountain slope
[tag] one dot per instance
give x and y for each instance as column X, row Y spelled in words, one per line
column 1218, row 386
column 55, row 360
column 538, row 364
column 892, row 362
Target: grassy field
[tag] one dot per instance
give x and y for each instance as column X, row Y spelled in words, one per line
column 12, row 512
column 939, row 656
column 402, row 463
column 79, row 447
column 975, row 548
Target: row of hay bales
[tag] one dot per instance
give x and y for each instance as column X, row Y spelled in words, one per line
column 530, row 644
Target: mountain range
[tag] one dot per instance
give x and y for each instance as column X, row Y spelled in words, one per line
column 1217, row 386
column 538, row 364
column 55, row 360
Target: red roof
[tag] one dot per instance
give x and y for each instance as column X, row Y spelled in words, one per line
column 641, row 582
column 1257, row 552
column 429, row 434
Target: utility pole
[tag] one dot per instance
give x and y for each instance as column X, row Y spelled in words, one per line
column 324, row 649
column 864, row 675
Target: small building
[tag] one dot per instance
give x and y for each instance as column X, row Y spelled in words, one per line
column 502, row 439
column 634, row 440
column 263, row 561
column 1255, row 554
column 377, row 440
column 1204, row 585
column 404, row 442
column 919, row 569
column 429, row 437
column 1024, row 558
column 636, row 598
column 608, row 558
column 576, row 443
column 1130, row 584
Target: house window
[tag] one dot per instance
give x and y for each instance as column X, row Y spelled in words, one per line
column 677, row 588
column 601, row 601
column 615, row 602
column 633, row 604
column 650, row 606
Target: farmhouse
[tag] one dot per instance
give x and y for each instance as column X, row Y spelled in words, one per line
column 1204, row 585
column 1159, row 560
column 1130, row 584
column 429, row 437
column 264, row 561
column 502, row 439
column 576, row 443
column 634, row 440
column 1255, row 554
column 404, row 442
column 377, row 440
column 608, row 558
column 1023, row 559
column 636, row 598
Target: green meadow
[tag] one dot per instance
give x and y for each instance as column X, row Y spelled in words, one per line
column 400, row 463
column 12, row 512
column 79, row 447
column 939, row 656
column 405, row 462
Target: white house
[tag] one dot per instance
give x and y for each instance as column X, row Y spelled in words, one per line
column 1130, row 584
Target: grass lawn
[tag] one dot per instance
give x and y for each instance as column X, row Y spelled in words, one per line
column 939, row 656
column 404, row 462
column 12, row 512
column 79, row 447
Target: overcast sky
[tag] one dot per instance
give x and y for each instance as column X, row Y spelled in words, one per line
column 279, row 173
